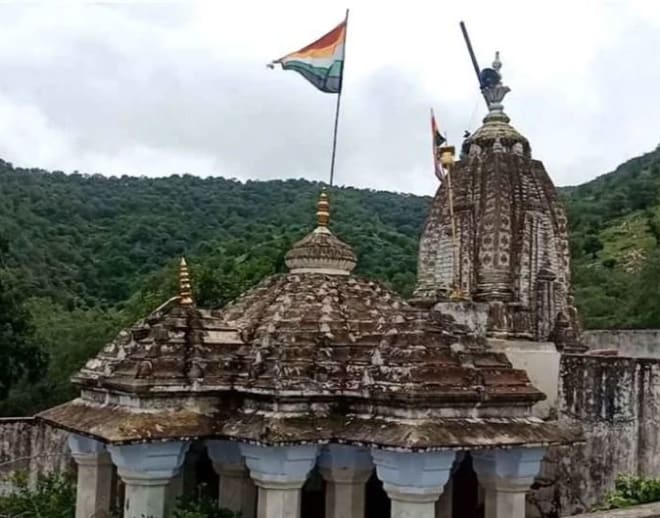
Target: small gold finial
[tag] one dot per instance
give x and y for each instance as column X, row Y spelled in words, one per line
column 323, row 209
column 185, row 289
column 447, row 156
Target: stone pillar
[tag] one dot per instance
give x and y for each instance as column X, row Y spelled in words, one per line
column 236, row 491
column 413, row 480
column 506, row 476
column 147, row 470
column 346, row 470
column 94, row 487
column 280, row 473
column 444, row 507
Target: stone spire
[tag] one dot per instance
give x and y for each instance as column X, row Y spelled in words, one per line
column 510, row 248
column 185, row 289
column 321, row 251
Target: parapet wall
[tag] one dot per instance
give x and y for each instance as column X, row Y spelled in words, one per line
column 32, row 447
column 638, row 511
column 615, row 402
column 636, row 343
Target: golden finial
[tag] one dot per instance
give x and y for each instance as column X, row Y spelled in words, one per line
column 447, row 156
column 323, row 209
column 185, row 290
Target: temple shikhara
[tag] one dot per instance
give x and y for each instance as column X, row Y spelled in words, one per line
column 509, row 244
column 319, row 393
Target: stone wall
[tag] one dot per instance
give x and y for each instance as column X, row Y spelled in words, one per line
column 639, row 511
column 615, row 402
column 637, row 343
column 29, row 446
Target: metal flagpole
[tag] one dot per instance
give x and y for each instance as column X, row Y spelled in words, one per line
column 341, row 88
column 447, row 158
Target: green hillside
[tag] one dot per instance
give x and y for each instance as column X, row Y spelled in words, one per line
column 81, row 256
column 615, row 230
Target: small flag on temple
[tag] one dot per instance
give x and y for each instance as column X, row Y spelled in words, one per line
column 321, row 62
column 438, row 141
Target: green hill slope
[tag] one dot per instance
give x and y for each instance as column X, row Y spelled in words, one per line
column 88, row 254
column 615, row 230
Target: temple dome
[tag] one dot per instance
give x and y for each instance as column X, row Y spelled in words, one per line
column 321, row 251
column 306, row 356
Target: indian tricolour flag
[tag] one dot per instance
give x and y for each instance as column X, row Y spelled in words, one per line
column 321, row 62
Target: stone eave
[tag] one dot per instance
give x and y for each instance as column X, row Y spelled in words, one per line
column 117, row 424
column 436, row 435
column 151, row 387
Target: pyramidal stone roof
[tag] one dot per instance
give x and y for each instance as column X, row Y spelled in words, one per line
column 313, row 355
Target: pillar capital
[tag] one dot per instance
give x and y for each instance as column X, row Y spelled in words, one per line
column 343, row 464
column 94, row 487
column 506, row 476
column 88, row 451
column 413, row 480
column 413, row 473
column 511, row 470
column 147, row 470
column 279, row 467
column 224, row 452
column 236, row 491
column 155, row 461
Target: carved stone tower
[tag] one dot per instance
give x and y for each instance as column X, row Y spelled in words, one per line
column 511, row 236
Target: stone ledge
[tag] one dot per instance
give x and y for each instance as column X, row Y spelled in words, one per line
column 638, row 511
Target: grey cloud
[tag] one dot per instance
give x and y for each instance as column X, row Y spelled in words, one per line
column 111, row 93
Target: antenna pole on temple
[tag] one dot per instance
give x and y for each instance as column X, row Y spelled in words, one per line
column 477, row 70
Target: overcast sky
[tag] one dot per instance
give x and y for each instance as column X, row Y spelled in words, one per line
column 156, row 88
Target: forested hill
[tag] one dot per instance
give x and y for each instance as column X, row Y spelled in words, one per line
column 81, row 256
column 89, row 241
column 615, row 234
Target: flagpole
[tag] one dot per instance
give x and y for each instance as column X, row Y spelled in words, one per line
column 447, row 157
column 341, row 88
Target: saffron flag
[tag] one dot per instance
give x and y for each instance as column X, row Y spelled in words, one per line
column 438, row 141
column 321, row 62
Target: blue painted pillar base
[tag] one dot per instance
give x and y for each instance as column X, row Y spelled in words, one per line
column 94, row 487
column 147, row 470
column 279, row 473
column 236, row 491
column 346, row 470
column 413, row 480
column 506, row 476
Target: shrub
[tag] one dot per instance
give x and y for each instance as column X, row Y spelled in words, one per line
column 630, row 490
column 200, row 506
column 53, row 496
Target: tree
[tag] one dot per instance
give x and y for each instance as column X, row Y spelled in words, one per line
column 592, row 245
column 19, row 356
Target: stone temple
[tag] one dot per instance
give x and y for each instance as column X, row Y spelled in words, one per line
column 510, row 248
column 322, row 394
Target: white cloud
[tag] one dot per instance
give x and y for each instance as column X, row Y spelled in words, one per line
column 161, row 87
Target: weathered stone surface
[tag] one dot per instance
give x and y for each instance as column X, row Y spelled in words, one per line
column 614, row 401
column 636, row 343
column 31, row 447
column 307, row 357
column 511, row 236
column 639, row 511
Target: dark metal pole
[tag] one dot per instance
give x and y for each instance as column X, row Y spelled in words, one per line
column 341, row 88
column 477, row 70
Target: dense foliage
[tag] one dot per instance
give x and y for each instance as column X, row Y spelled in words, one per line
column 20, row 358
column 630, row 490
column 54, row 496
column 85, row 255
column 615, row 235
